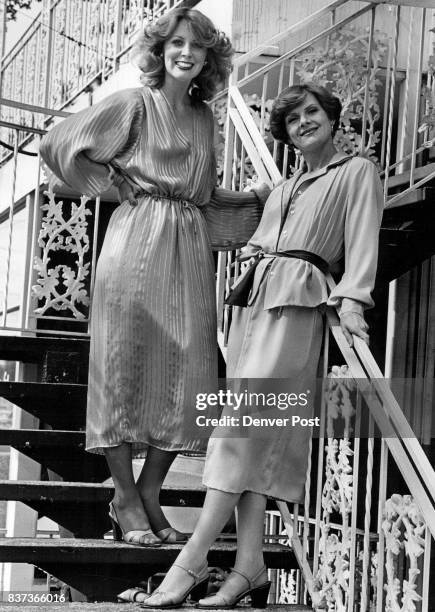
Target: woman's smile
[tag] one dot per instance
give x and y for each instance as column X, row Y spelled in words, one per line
column 308, row 125
column 184, row 56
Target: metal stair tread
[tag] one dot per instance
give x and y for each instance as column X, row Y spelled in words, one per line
column 86, row 492
column 31, row 350
column 42, row 437
column 106, row 551
column 20, row 386
column 184, row 496
column 398, row 180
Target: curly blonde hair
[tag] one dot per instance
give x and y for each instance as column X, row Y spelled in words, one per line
column 147, row 52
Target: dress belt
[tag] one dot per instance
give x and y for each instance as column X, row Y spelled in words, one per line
column 172, row 199
column 239, row 295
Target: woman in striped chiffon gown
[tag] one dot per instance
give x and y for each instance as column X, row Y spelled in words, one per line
column 153, row 330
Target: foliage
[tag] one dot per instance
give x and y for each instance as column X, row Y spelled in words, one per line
column 428, row 120
column 341, row 66
column 12, row 6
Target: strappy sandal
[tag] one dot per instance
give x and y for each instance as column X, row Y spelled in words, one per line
column 172, row 536
column 135, row 537
column 131, row 595
column 197, row 590
column 258, row 594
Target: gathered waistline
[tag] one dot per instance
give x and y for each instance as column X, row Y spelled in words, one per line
column 173, row 199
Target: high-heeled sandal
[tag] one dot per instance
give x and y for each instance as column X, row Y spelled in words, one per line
column 133, row 537
column 196, row 591
column 258, row 594
column 169, row 535
column 131, row 595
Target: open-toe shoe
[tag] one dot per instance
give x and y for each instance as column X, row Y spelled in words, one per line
column 172, row 536
column 257, row 592
column 131, row 595
column 196, row 590
column 136, row 537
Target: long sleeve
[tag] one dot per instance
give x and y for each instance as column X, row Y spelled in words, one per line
column 84, row 149
column 232, row 217
column 361, row 237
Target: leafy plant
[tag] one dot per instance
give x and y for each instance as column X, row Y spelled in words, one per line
column 341, row 66
column 13, row 6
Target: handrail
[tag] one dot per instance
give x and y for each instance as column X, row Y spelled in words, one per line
column 395, row 444
column 34, row 109
column 305, row 45
column 255, row 135
column 396, row 198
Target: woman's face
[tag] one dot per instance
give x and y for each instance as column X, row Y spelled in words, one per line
column 183, row 55
column 308, row 126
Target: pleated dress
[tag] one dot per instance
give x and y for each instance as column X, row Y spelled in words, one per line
column 153, row 323
column 274, row 344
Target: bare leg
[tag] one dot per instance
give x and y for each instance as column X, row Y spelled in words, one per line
column 217, row 509
column 249, row 559
column 250, row 528
column 149, row 483
column 127, row 501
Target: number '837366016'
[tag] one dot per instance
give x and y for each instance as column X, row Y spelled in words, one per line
column 21, row 597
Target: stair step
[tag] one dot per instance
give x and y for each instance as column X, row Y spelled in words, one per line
column 107, row 551
column 133, row 607
column 85, row 492
column 81, row 507
column 95, row 493
column 60, row 451
column 33, row 350
column 103, row 568
column 402, row 179
column 63, row 406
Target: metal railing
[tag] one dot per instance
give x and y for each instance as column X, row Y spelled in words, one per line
column 70, row 45
column 362, row 546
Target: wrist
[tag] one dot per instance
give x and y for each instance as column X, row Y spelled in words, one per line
column 115, row 176
column 351, row 306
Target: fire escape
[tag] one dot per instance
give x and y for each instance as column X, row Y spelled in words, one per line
column 362, row 539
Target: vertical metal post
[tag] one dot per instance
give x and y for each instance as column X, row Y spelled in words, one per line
column 2, row 41
column 320, row 459
column 47, row 18
column 383, row 476
column 11, row 228
column 367, row 517
column 367, row 86
column 32, row 244
column 117, row 35
column 391, row 102
column 417, row 94
column 385, row 113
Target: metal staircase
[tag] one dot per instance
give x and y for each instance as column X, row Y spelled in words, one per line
column 368, row 519
column 75, row 496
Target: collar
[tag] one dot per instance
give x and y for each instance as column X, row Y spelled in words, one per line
column 335, row 161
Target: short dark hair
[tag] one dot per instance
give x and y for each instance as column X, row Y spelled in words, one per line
column 294, row 95
column 147, row 51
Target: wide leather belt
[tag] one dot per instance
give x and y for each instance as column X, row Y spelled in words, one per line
column 239, row 295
